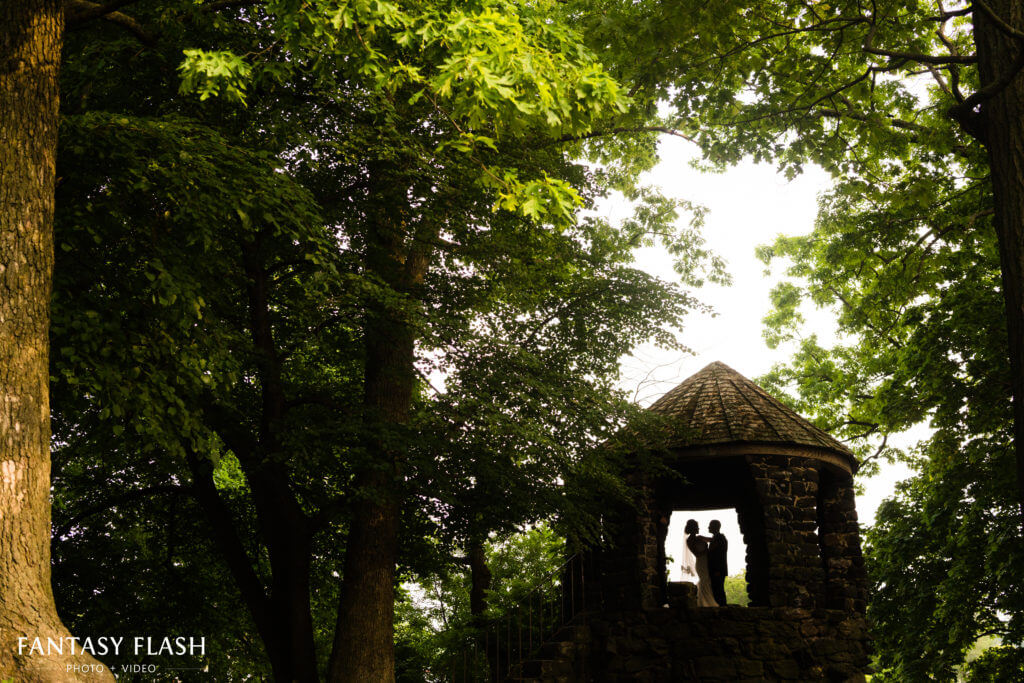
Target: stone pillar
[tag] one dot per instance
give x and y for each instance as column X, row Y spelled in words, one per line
column 631, row 575
column 650, row 551
column 839, row 535
column 615, row 567
column 788, row 491
column 751, row 521
column 661, row 520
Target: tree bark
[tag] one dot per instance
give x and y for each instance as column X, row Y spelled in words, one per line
column 30, row 45
column 363, row 649
column 289, row 547
column 479, row 584
column 283, row 616
column 364, row 637
column 281, row 613
column 1002, row 127
column 225, row 536
column 480, row 580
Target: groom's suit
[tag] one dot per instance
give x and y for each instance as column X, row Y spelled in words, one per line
column 718, row 551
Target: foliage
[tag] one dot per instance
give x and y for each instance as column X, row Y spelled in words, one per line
column 916, row 285
column 145, row 330
column 434, row 621
column 964, row 553
column 736, row 589
column 884, row 97
column 793, row 82
column 996, row 664
column 494, row 70
column 215, row 252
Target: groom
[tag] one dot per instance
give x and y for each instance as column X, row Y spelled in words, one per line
column 718, row 550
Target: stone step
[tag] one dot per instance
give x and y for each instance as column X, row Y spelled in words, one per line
column 547, row 667
column 553, row 661
column 556, row 650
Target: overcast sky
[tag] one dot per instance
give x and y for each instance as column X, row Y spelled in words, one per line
column 749, row 205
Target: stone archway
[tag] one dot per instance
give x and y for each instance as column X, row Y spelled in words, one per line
column 710, row 484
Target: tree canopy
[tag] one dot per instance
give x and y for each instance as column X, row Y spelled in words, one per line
column 333, row 311
column 913, row 107
column 267, row 265
column 917, row 248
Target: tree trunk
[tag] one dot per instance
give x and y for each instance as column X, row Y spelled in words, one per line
column 479, row 583
column 281, row 612
column 289, row 547
column 225, row 537
column 480, row 580
column 30, row 45
column 283, row 524
column 1002, row 125
column 282, row 617
column 364, row 637
column 364, row 648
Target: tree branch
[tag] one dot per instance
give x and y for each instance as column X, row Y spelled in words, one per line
column 230, row 427
column 894, row 122
column 946, row 15
column 878, row 451
column 225, row 537
column 115, row 500
column 618, row 131
column 80, row 12
column 999, row 21
column 222, row 4
column 872, row 427
column 965, row 114
column 853, row 309
column 920, row 57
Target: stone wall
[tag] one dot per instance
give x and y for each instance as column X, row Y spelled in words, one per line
column 799, row 525
column 839, row 543
column 787, row 488
column 627, row 573
column 734, row 644
column 805, row 576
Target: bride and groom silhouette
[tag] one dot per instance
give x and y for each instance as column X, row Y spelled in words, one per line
column 704, row 558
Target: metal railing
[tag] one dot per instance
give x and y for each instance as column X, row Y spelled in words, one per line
column 496, row 651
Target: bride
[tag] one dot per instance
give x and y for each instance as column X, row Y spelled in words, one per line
column 695, row 563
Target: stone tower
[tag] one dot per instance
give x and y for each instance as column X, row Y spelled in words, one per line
column 729, row 444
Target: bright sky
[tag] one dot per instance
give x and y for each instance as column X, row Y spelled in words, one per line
column 748, row 205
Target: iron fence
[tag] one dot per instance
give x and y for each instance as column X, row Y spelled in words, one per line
column 496, row 651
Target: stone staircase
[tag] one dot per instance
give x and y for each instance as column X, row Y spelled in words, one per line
column 562, row 659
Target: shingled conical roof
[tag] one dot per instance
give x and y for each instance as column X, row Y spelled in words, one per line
column 719, row 406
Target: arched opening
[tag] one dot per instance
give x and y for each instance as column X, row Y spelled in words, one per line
column 735, row 584
column 707, row 489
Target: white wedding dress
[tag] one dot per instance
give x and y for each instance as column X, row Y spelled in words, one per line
column 695, row 566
